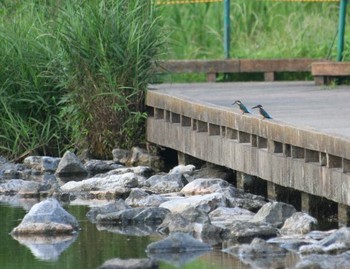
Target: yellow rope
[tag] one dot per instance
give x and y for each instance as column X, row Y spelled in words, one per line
column 173, row 2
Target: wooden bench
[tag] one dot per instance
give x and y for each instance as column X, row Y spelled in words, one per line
column 327, row 72
column 214, row 67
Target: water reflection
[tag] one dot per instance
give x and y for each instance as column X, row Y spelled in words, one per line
column 46, row 248
column 177, row 259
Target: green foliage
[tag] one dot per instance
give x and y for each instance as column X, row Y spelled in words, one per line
column 75, row 73
column 108, row 65
column 259, row 29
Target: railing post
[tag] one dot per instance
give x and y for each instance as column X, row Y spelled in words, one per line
column 227, row 28
column 341, row 29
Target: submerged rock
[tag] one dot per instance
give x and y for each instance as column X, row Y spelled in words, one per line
column 151, row 215
column 177, row 242
column 116, row 206
column 129, row 264
column 47, row 218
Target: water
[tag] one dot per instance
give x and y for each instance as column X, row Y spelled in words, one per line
column 90, row 248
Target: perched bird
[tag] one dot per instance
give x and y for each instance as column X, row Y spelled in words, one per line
column 242, row 107
column 263, row 112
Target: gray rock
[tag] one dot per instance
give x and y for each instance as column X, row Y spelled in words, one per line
column 104, row 183
column 138, row 229
column 260, row 254
column 11, row 187
column 143, row 157
column 42, row 163
column 243, row 231
column 274, row 213
column 99, row 166
column 121, row 155
column 116, row 206
column 129, row 264
column 224, row 216
column 324, row 261
column 183, row 169
column 177, row 242
column 299, row 223
column 47, row 218
column 151, row 215
column 166, row 183
column 205, row 186
column 206, row 203
column 140, row 198
column 336, row 243
column 70, row 165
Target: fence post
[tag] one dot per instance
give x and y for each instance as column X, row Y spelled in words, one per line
column 227, row 28
column 341, row 29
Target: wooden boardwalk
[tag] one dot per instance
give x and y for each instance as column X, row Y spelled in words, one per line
column 305, row 148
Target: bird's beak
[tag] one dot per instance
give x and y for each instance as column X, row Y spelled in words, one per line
column 233, row 103
column 254, row 107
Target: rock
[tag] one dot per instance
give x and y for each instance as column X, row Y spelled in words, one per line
column 194, row 222
column 11, row 187
column 143, row 157
column 183, row 169
column 144, row 171
column 275, row 213
column 47, row 218
column 116, row 206
column 335, row 243
column 166, row 183
column 70, row 165
column 11, row 170
column 102, row 183
column 151, row 215
column 243, row 231
column 299, row 223
column 205, row 186
column 260, row 254
column 224, row 216
column 324, row 261
column 140, row 229
column 129, row 264
column 42, row 163
column 140, row 198
column 177, row 242
column 121, row 155
column 98, row 166
column 249, row 202
column 207, row 203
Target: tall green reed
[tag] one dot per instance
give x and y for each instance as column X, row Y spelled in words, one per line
column 108, row 50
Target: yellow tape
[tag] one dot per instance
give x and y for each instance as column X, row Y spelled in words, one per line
column 173, row 2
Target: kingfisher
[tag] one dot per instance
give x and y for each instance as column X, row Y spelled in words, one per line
column 242, row 107
column 263, row 112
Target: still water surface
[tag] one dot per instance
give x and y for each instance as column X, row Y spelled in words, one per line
column 90, row 248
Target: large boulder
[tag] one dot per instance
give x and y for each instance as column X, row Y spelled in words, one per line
column 224, row 216
column 47, row 218
column 121, row 155
column 206, row 203
column 324, row 261
column 274, row 213
column 151, row 215
column 129, row 264
column 166, row 183
column 177, row 242
column 299, row 223
column 141, row 156
column 71, row 166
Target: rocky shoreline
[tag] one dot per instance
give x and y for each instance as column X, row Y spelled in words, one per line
column 194, row 204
